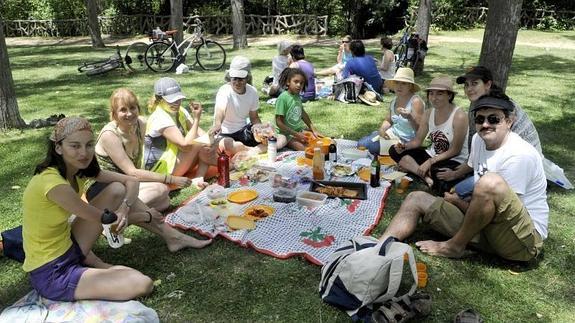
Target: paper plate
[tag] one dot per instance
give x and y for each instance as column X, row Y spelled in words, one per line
column 364, row 173
column 342, row 170
column 235, row 222
column 250, row 213
column 242, row 196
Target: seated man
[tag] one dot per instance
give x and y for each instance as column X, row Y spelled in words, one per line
column 237, row 101
column 508, row 212
column 363, row 65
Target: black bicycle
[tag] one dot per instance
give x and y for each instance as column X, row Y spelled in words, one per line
column 165, row 55
column 134, row 60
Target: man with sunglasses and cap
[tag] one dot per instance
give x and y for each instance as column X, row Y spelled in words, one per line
column 508, row 212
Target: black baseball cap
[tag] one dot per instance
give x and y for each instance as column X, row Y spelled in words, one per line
column 476, row 72
column 492, row 102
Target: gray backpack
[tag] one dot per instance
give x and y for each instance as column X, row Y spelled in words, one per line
column 365, row 271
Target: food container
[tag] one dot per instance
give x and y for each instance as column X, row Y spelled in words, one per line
column 354, row 153
column 310, row 199
column 284, row 195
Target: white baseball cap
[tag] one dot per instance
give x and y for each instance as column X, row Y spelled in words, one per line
column 168, row 89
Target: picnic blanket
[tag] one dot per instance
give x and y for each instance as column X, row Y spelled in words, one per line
column 293, row 229
column 35, row 308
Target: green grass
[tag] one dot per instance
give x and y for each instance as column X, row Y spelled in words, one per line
column 227, row 283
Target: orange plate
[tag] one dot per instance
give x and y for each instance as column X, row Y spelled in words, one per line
column 364, row 173
column 242, row 196
column 303, row 161
column 386, row 160
column 269, row 210
column 235, row 222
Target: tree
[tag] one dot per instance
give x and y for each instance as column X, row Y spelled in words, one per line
column 422, row 28
column 499, row 38
column 239, row 24
column 92, row 13
column 9, row 113
column 176, row 19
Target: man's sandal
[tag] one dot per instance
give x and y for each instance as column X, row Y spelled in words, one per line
column 403, row 310
column 468, row 316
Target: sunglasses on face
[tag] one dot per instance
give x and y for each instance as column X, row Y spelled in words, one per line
column 238, row 79
column 492, row 119
column 345, row 41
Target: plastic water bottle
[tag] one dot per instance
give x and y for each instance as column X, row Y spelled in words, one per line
column 272, row 149
column 115, row 240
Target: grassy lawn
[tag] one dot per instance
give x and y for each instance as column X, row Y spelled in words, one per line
column 226, row 283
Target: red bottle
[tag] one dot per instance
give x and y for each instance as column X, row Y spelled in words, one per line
column 224, row 170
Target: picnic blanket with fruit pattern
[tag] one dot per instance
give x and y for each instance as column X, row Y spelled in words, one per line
column 292, row 229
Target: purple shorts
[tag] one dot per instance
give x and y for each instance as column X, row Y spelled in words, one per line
column 57, row 280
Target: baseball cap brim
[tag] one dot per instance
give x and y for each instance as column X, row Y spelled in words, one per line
column 238, row 73
column 171, row 98
column 494, row 103
column 463, row 78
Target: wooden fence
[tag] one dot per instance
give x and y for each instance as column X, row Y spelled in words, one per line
column 142, row 24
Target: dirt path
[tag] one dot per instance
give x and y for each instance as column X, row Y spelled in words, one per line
column 265, row 40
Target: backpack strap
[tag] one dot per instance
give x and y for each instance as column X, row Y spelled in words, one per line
column 396, row 269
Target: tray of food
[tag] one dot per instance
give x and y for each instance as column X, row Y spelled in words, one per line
column 348, row 190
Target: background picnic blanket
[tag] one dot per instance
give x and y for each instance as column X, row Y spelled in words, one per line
column 34, row 308
column 293, row 230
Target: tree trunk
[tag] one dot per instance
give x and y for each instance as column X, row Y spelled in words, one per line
column 176, row 19
column 92, row 13
column 9, row 113
column 422, row 28
column 239, row 24
column 499, row 38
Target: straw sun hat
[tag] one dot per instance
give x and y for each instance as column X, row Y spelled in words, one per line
column 442, row 83
column 403, row 74
column 370, row 98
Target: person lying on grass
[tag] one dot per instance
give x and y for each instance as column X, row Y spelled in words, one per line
column 291, row 118
column 169, row 147
column 237, row 101
column 405, row 114
column 58, row 252
column 446, row 126
column 508, row 212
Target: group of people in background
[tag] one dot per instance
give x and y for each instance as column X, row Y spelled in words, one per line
column 132, row 164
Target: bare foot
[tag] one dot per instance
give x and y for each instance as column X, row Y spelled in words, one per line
column 186, row 241
column 428, row 181
column 441, row 248
column 94, row 261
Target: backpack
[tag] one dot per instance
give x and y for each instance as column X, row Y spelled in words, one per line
column 365, row 271
column 12, row 244
column 348, row 89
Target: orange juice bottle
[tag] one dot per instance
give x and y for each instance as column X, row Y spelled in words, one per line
column 317, row 164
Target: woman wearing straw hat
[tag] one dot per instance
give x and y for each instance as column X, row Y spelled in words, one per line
column 446, row 125
column 405, row 115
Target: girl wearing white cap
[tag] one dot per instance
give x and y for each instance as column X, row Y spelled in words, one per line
column 169, row 147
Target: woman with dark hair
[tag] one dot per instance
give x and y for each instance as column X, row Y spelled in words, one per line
column 446, row 126
column 363, row 65
column 297, row 56
column 387, row 66
column 58, row 252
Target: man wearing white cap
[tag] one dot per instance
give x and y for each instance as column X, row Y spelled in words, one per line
column 236, row 102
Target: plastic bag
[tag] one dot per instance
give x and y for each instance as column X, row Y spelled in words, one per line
column 555, row 174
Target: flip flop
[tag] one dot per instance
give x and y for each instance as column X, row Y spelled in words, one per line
column 468, row 316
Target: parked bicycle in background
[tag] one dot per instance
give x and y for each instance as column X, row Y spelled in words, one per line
column 134, row 60
column 166, row 54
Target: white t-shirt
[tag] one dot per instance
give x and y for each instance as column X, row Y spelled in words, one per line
column 163, row 121
column 279, row 63
column 519, row 163
column 236, row 107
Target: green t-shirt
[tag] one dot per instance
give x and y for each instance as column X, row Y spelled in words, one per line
column 291, row 107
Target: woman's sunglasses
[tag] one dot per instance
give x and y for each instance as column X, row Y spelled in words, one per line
column 492, row 119
column 238, row 79
column 345, row 41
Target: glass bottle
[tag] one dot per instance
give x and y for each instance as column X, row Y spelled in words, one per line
column 272, row 149
column 224, row 170
column 374, row 179
column 318, row 164
column 332, row 152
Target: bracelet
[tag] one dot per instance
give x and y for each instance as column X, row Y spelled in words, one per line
column 150, row 214
column 169, row 177
column 165, row 176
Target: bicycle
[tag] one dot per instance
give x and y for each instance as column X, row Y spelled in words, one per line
column 134, row 59
column 163, row 56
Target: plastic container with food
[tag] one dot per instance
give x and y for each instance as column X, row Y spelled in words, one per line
column 310, row 199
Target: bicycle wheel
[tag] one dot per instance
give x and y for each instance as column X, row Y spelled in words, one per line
column 160, row 57
column 135, row 57
column 103, row 68
column 210, row 56
column 400, row 56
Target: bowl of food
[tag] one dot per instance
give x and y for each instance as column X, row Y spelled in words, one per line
column 310, row 199
column 341, row 170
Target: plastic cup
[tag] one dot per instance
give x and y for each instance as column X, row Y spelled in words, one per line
column 421, row 267
column 421, row 279
column 403, row 184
